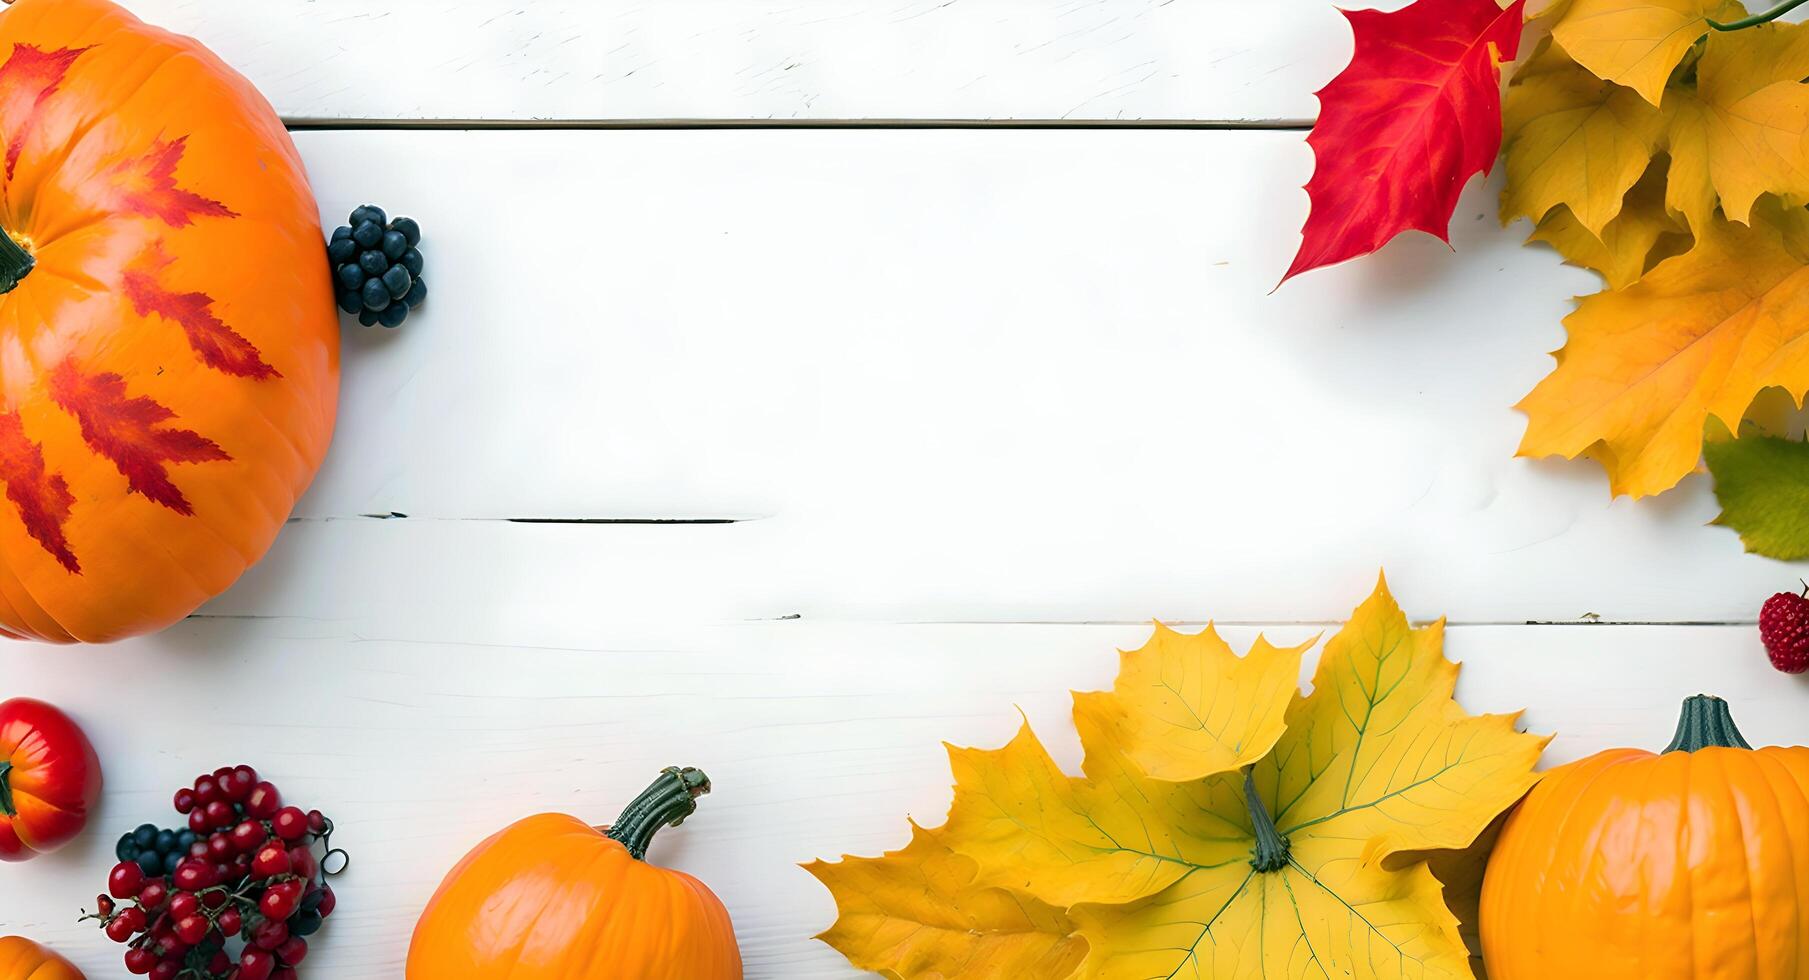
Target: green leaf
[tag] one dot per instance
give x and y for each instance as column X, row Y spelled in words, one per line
column 1763, row 485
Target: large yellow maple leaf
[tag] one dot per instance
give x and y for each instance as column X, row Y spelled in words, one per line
column 1643, row 233
column 1286, row 844
column 916, row 914
column 1637, row 43
column 1699, row 336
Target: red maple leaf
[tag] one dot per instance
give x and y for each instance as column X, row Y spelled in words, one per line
column 1400, row 130
column 43, row 499
column 28, row 77
column 125, row 430
column 147, row 187
column 220, row 346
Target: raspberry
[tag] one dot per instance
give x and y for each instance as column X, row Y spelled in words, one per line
column 1784, row 626
column 377, row 267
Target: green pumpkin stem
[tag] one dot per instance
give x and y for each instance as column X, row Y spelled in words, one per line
column 666, row 803
column 15, row 263
column 1706, row 723
column 1271, row 852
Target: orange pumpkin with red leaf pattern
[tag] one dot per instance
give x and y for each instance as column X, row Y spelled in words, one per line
column 168, row 341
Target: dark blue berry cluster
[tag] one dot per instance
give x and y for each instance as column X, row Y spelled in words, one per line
column 156, row 851
column 377, row 266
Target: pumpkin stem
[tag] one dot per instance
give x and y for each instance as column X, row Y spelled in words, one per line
column 1271, row 852
column 15, row 263
column 1706, row 723
column 666, row 803
column 6, row 790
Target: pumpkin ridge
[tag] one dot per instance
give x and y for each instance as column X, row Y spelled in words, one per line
column 1752, row 905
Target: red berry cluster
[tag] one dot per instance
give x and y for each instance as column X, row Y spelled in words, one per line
column 242, row 904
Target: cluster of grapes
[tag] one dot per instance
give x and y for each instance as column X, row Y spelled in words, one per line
column 244, row 873
column 377, row 266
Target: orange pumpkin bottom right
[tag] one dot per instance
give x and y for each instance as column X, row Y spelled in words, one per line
column 549, row 898
column 1690, row 864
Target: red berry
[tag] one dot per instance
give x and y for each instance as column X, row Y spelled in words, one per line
column 271, row 860
column 263, row 802
column 220, row 847
column 289, row 823
column 166, row 970
column 270, row 934
column 317, row 822
column 140, row 961
column 207, row 791
column 153, row 893
column 248, row 835
column 301, row 861
column 278, row 903
column 193, row 874
column 240, row 782
column 219, row 963
column 1784, row 628
column 327, row 901
column 293, row 951
column 220, row 815
column 192, row 929
column 230, row 922
column 256, row 964
column 125, row 880
column 214, row 900
column 198, row 849
column 221, row 773
column 197, row 822
column 105, row 903
column 185, row 800
column 125, row 925
column 183, row 903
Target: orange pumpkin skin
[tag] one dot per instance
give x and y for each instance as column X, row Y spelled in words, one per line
column 549, row 898
column 1688, row 865
column 22, row 959
column 169, row 362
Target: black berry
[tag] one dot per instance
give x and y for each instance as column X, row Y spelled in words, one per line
column 377, row 267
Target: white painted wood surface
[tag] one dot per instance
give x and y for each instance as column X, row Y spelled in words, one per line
column 775, row 59
column 976, row 404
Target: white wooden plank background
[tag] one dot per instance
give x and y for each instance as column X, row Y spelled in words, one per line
column 776, row 59
column 978, row 403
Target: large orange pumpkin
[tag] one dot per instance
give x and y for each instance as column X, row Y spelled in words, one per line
column 1692, row 864
column 22, row 959
column 168, row 340
column 549, row 898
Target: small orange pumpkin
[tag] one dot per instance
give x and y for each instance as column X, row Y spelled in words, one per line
column 550, row 898
column 1688, row 865
column 168, row 340
column 22, row 959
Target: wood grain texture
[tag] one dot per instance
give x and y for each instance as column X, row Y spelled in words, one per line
column 958, row 376
column 821, row 738
column 775, row 59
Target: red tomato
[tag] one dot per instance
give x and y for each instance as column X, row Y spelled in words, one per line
column 49, row 779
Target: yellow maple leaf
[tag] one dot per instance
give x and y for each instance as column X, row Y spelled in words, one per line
column 1285, row 867
column 1743, row 129
column 1573, row 140
column 1643, row 233
column 1636, row 43
column 1186, row 707
column 1648, row 364
column 916, row 914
